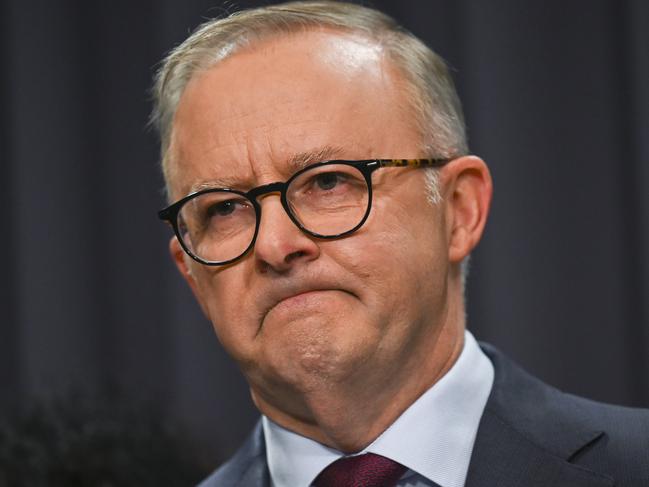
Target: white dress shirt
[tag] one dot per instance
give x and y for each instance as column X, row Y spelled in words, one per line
column 433, row 438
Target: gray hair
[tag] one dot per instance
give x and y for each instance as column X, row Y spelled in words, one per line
column 430, row 90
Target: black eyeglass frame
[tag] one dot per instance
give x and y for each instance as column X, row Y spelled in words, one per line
column 366, row 167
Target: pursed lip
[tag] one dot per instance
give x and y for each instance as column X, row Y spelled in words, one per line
column 296, row 297
column 286, row 291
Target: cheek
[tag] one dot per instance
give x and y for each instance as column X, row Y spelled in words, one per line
column 223, row 295
column 404, row 253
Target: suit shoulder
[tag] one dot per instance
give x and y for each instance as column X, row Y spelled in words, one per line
column 624, row 443
column 613, row 440
column 624, row 423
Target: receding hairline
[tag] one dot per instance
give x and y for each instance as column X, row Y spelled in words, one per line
column 253, row 40
column 247, row 28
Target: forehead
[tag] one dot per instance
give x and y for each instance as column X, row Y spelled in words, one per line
column 250, row 118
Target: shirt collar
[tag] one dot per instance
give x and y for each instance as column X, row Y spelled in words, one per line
column 434, row 437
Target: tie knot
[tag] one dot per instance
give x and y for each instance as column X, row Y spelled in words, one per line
column 367, row 470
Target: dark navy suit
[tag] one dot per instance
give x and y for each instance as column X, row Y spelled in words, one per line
column 530, row 435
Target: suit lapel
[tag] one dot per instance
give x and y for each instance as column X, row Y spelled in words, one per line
column 528, row 434
column 247, row 468
column 255, row 471
column 255, row 475
column 503, row 457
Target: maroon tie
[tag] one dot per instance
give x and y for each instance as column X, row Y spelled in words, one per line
column 367, row 470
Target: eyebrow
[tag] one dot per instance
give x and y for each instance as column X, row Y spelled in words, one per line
column 295, row 163
column 303, row 159
column 216, row 183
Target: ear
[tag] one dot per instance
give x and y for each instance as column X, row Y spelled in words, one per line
column 181, row 259
column 468, row 195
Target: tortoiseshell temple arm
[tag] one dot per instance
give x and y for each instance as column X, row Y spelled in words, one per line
column 413, row 162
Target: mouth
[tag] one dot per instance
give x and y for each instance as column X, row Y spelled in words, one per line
column 301, row 300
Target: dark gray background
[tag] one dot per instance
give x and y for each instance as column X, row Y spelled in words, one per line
column 556, row 97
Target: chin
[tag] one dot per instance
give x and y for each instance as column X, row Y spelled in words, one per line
column 318, row 360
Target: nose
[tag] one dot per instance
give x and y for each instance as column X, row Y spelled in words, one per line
column 280, row 244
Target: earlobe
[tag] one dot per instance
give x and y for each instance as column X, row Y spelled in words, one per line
column 469, row 198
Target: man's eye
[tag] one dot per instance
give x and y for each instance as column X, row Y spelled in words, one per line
column 224, row 208
column 328, row 180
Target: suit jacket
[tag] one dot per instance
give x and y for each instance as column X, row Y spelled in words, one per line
column 530, row 435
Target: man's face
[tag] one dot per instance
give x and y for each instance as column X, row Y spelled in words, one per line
column 299, row 314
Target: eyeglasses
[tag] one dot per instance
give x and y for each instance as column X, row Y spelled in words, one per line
column 325, row 200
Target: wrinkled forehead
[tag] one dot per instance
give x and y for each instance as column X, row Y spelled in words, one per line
column 280, row 97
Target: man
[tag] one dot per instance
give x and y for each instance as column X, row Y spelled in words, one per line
column 324, row 204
